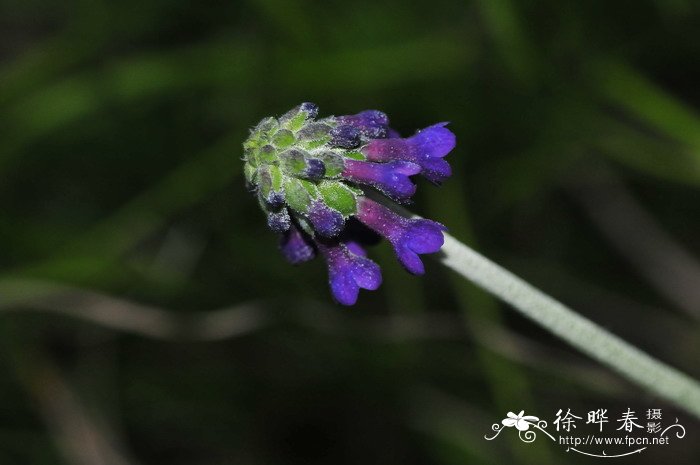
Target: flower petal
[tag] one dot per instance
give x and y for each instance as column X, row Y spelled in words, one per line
column 436, row 170
column 296, row 246
column 356, row 248
column 279, row 221
column 425, row 236
column 371, row 124
column 391, row 178
column 348, row 272
column 345, row 136
column 426, row 146
column 409, row 237
column 344, row 288
column 409, row 259
column 315, row 169
column 366, row 273
column 326, row 221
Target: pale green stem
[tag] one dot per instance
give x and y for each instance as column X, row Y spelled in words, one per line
column 583, row 334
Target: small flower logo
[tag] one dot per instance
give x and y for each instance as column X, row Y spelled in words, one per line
column 520, row 421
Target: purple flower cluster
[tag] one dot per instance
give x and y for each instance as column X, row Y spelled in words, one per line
column 312, row 176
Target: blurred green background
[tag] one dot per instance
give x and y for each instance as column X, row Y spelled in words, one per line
column 147, row 317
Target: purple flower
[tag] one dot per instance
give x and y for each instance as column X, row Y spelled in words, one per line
column 312, row 177
column 345, row 136
column 409, row 237
column 349, row 272
column 296, row 246
column 391, row 178
column 315, row 169
column 326, row 221
column 275, row 199
column 310, row 108
column 427, row 148
column 279, row 221
column 356, row 248
column 372, row 124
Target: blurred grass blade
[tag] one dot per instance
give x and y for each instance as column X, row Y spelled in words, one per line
column 625, row 87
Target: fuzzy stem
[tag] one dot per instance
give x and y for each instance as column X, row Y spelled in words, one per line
column 583, row 334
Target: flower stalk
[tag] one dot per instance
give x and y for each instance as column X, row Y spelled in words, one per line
column 583, row 334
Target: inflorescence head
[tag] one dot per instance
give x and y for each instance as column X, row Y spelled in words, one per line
column 311, row 176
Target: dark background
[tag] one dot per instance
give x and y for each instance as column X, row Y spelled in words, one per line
column 148, row 318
